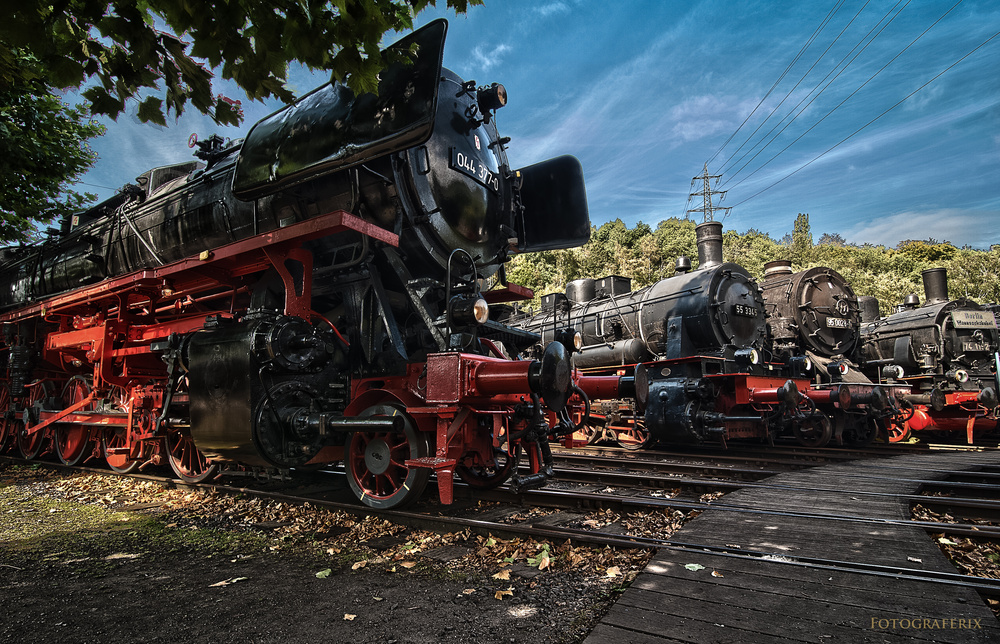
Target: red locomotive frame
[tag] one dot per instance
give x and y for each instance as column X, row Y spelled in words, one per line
column 102, row 344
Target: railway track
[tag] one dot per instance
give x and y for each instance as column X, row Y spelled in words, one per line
column 557, row 515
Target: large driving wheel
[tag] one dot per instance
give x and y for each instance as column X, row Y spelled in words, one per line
column 186, row 460
column 114, row 440
column 8, row 428
column 31, row 446
column 73, row 442
column 376, row 463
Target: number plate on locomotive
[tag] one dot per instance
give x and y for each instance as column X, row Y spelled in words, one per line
column 973, row 320
column 837, row 323
column 975, row 346
column 745, row 311
column 474, row 168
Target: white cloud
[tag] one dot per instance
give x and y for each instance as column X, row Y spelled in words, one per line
column 960, row 227
column 486, row 59
column 551, row 9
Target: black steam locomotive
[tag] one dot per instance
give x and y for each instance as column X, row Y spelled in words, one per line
column 694, row 343
column 947, row 351
column 314, row 293
column 814, row 314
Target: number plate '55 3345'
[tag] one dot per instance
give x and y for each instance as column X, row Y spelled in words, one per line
column 745, row 311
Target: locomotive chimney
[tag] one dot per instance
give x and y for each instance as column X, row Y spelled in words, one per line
column 869, row 309
column 777, row 267
column 709, row 236
column 935, row 285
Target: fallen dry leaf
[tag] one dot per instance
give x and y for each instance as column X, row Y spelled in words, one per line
column 359, row 564
column 503, row 574
column 501, row 593
column 613, row 571
column 348, row 617
column 468, row 591
column 227, row 582
column 716, row 573
column 408, row 564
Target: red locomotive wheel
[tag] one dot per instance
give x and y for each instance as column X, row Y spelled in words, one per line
column 8, row 428
column 31, row 446
column 898, row 432
column 187, row 462
column 632, row 436
column 376, row 463
column 114, row 440
column 73, row 442
column 592, row 433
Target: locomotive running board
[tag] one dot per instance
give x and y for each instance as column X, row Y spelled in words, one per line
column 233, row 260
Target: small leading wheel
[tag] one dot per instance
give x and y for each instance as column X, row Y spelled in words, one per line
column 31, row 446
column 814, row 431
column 8, row 428
column 488, row 477
column 898, row 432
column 862, row 434
column 376, row 463
column 632, row 436
column 591, row 432
column 73, row 442
column 187, row 462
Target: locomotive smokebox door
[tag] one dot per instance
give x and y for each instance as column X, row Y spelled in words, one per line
column 555, row 211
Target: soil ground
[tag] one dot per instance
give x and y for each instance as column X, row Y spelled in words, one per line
column 90, row 558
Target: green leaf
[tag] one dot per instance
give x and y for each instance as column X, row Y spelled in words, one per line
column 323, row 574
column 151, row 110
column 694, row 567
column 946, row 541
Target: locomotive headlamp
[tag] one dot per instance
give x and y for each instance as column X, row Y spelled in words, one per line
column 958, row 375
column 800, row 364
column 492, row 97
column 747, row 356
column 892, row 372
column 166, row 288
column 570, row 338
column 467, row 310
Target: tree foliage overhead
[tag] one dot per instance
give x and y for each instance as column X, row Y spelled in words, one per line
column 43, row 144
column 646, row 255
column 125, row 49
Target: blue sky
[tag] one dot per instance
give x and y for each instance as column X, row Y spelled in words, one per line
column 644, row 93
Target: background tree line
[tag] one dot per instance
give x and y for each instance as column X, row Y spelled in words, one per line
column 646, row 255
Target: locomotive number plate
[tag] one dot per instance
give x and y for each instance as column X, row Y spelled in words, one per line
column 837, row 323
column 745, row 311
column 976, row 346
column 474, row 168
column 973, row 320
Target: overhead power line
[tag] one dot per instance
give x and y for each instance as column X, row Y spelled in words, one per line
column 852, row 134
